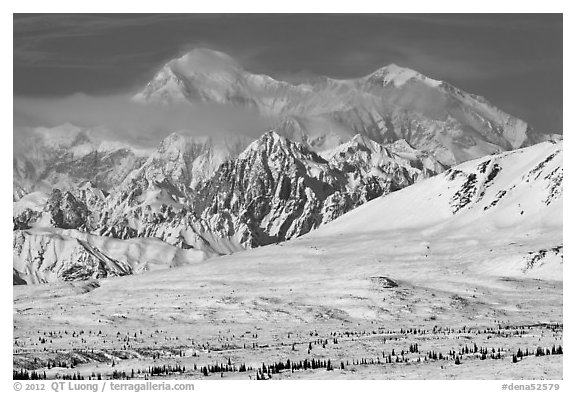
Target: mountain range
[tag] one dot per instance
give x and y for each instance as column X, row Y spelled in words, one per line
column 390, row 103
column 86, row 207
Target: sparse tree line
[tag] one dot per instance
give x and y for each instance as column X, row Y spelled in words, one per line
column 222, row 368
column 555, row 350
column 129, row 338
column 266, row 371
column 28, row 375
column 33, row 375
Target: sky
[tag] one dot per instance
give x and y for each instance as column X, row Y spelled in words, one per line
column 514, row 60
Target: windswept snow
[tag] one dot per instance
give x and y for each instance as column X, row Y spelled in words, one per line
column 516, row 194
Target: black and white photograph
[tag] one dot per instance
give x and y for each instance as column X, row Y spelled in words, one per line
column 287, row 196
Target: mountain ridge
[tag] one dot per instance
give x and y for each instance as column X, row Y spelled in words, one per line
column 390, row 103
column 276, row 189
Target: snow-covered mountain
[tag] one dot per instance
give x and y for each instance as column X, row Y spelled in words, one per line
column 278, row 189
column 67, row 156
column 274, row 190
column 338, row 144
column 397, row 163
column 523, row 186
column 389, row 104
column 77, row 209
column 503, row 197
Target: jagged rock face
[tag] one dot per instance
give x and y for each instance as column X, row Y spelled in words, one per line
column 169, row 174
column 239, row 206
column 66, row 211
column 155, row 200
column 374, row 169
column 275, row 190
column 545, row 178
column 48, row 257
column 29, row 209
column 278, row 189
column 61, row 210
column 25, row 219
column 542, row 258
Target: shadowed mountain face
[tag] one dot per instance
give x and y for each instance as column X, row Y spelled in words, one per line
column 389, row 104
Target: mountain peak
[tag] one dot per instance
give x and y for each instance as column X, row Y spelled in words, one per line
column 272, row 141
column 272, row 135
column 361, row 139
column 174, row 138
column 378, row 105
column 393, row 67
column 201, row 73
column 175, row 144
column 393, row 74
column 204, row 61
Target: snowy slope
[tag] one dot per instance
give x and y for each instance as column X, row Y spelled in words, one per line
column 498, row 198
column 522, row 187
column 47, row 255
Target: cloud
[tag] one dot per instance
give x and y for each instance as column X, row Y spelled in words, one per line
column 484, row 21
column 119, row 118
column 107, row 54
column 63, row 40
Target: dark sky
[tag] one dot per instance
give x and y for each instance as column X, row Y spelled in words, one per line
column 513, row 60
